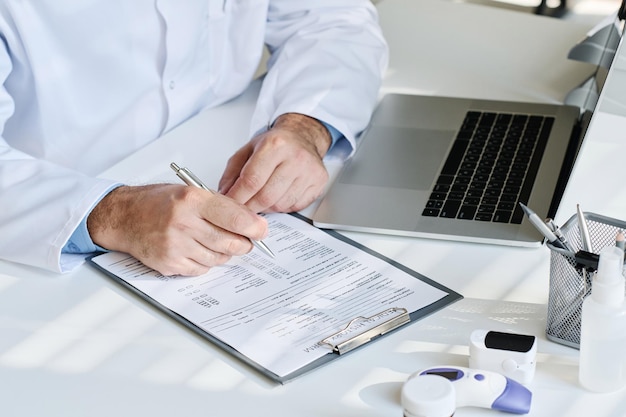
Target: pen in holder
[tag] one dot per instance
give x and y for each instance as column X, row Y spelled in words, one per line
column 570, row 279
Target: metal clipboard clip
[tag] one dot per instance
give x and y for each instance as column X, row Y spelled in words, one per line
column 361, row 329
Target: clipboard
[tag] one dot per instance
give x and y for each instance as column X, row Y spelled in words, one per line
column 362, row 330
column 353, row 335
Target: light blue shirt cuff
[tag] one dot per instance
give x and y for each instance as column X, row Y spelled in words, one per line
column 80, row 241
column 334, row 133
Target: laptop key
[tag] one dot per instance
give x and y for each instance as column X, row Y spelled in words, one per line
column 438, row 196
column 506, row 206
column 467, row 212
column 445, row 179
column 518, row 215
column 450, row 209
column 502, row 216
column 434, row 204
column 430, row 212
column 483, row 217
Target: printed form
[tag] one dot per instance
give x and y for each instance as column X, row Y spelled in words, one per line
column 277, row 311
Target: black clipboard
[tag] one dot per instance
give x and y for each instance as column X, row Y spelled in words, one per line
column 356, row 334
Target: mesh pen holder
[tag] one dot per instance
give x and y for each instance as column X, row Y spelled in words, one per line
column 569, row 284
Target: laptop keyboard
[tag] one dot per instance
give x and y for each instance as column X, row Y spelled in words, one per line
column 491, row 167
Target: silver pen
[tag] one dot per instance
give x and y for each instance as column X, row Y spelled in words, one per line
column 190, row 179
column 559, row 234
column 542, row 227
column 584, row 230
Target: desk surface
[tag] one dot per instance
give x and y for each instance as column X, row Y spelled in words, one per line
column 77, row 344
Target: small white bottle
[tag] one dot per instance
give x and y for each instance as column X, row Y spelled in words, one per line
column 603, row 327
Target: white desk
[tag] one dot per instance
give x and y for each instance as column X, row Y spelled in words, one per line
column 78, row 345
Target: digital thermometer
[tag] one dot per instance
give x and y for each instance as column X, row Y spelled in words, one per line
column 480, row 388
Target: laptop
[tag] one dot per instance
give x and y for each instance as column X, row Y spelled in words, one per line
column 457, row 168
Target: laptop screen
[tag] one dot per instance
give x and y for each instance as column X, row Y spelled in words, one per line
column 598, row 48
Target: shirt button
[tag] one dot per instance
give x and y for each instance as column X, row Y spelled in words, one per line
column 172, row 85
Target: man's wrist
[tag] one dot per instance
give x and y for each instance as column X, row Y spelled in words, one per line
column 308, row 127
column 80, row 241
column 105, row 217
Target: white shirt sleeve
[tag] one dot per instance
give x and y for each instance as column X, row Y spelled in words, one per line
column 326, row 61
column 71, row 106
column 37, row 212
column 42, row 204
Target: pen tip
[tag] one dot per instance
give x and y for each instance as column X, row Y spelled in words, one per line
column 174, row 166
column 526, row 209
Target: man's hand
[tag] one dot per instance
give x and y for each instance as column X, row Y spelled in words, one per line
column 280, row 170
column 175, row 229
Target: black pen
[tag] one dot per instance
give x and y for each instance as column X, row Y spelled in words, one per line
column 559, row 234
column 536, row 221
column 190, row 179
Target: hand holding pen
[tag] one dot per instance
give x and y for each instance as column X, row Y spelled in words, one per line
column 174, row 229
column 190, row 179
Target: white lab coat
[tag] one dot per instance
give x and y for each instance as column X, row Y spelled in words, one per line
column 87, row 82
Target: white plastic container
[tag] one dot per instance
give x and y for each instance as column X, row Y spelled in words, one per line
column 603, row 327
column 428, row 396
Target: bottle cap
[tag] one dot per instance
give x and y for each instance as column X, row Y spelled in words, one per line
column 608, row 283
column 428, row 396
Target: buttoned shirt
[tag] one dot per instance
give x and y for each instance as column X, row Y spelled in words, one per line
column 85, row 83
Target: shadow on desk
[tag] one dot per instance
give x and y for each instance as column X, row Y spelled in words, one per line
column 443, row 339
column 88, row 348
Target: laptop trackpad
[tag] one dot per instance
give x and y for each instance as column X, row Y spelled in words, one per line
column 400, row 148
